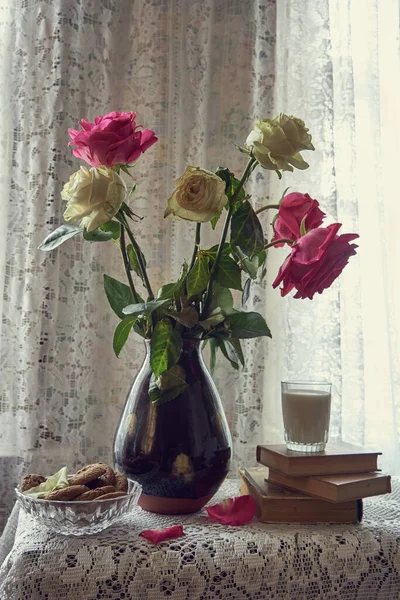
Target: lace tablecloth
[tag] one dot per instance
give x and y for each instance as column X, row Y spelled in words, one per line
column 259, row 561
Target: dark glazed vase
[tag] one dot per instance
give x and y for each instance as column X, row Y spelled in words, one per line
column 178, row 451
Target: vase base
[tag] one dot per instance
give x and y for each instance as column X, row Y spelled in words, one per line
column 172, row 506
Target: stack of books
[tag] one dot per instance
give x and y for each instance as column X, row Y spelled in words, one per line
column 325, row 487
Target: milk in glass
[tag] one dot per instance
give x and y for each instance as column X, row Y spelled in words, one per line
column 306, row 414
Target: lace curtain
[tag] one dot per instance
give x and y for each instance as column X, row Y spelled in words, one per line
column 198, row 73
column 337, row 65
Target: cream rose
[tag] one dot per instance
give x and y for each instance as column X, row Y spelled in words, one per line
column 276, row 143
column 94, row 196
column 199, row 196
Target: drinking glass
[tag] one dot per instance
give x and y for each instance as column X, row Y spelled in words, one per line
column 306, row 409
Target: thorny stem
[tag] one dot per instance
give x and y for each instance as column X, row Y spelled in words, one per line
column 281, row 241
column 127, row 266
column 208, row 296
column 196, row 245
column 142, row 267
column 266, row 207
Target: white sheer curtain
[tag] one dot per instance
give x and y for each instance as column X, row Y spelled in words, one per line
column 198, row 73
column 337, row 67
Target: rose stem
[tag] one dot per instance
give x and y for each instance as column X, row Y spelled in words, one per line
column 258, row 211
column 241, row 183
column 281, row 241
column 196, row 245
column 139, row 259
column 127, row 266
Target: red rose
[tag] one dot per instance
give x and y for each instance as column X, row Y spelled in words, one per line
column 315, row 261
column 111, row 140
column 292, row 210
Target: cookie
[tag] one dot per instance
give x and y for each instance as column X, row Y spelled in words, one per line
column 30, row 481
column 112, row 495
column 67, row 493
column 88, row 473
column 92, row 494
column 109, row 476
column 121, row 484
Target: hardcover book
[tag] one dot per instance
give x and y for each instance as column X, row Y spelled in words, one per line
column 335, row 459
column 335, row 488
column 279, row 505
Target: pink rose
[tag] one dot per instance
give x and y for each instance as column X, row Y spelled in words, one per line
column 111, row 140
column 315, row 261
column 292, row 210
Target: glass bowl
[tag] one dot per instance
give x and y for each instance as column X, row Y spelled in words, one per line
column 80, row 518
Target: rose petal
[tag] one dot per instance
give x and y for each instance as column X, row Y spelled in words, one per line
column 159, row 535
column 233, row 511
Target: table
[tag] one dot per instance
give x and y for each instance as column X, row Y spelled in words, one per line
column 259, row 561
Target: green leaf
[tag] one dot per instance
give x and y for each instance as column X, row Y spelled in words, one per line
column 165, row 347
column 246, row 291
column 114, row 227
column 231, row 183
column 246, row 230
column 187, row 316
column 118, row 294
column 133, row 259
column 235, row 345
column 143, row 309
column 229, row 354
column 59, row 236
column 214, row 318
column 214, row 345
column 125, row 209
column 212, row 252
column 122, row 332
column 97, row 235
column 173, row 290
column 222, row 297
column 262, row 256
column 228, row 273
column 215, row 219
column 234, row 184
column 197, row 278
column 168, row 386
column 248, row 325
column 225, row 174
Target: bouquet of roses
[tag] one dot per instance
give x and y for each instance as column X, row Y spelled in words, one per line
column 199, row 304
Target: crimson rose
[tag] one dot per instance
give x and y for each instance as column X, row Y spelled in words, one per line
column 111, row 140
column 315, row 261
column 293, row 209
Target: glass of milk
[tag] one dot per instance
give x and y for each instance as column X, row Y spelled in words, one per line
column 306, row 409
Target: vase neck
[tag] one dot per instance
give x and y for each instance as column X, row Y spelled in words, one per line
column 190, row 347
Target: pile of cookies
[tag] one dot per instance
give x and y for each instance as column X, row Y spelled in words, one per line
column 97, row 481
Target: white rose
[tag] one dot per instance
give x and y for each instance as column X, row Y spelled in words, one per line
column 199, row 196
column 94, row 196
column 276, row 143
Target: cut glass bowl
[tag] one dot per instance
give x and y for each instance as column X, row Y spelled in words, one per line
column 80, row 518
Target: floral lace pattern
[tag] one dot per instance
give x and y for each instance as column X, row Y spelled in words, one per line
column 199, row 74
column 257, row 561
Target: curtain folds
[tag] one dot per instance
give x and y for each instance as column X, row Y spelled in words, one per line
column 337, row 65
column 198, row 73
